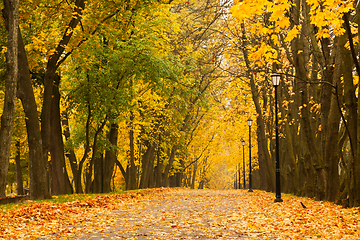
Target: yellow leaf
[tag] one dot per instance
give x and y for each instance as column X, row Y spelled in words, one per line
column 292, row 33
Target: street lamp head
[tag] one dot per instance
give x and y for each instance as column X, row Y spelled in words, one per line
column 275, row 78
column 249, row 122
column 243, row 142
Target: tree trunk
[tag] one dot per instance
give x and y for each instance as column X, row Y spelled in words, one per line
column 98, row 174
column 159, row 165
column 38, row 182
column 95, row 164
column 110, row 157
column 132, row 168
column 166, row 182
column 330, row 145
column 18, row 168
column 351, row 121
column 147, row 166
column 332, row 153
column 192, row 185
column 11, row 14
column 51, row 67
column 75, row 167
column 311, row 153
column 270, row 175
column 60, row 183
column 289, row 166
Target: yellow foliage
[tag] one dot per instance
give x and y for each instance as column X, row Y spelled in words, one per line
column 327, row 14
column 263, row 54
column 355, row 79
column 294, row 32
column 247, row 9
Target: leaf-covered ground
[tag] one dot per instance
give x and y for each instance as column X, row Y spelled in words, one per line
column 182, row 214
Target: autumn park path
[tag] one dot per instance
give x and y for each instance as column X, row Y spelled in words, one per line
column 183, row 214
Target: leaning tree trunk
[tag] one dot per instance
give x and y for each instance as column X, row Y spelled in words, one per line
column 38, row 181
column 38, row 184
column 51, row 67
column 11, row 9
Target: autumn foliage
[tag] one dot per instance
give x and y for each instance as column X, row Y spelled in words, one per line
column 145, row 94
column 314, row 46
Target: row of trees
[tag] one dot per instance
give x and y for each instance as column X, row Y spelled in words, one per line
column 314, row 46
column 161, row 90
column 127, row 84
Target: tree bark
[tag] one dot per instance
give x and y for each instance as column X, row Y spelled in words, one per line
column 95, row 159
column 38, row 184
column 11, row 14
column 147, row 166
column 159, row 165
column 75, row 167
column 51, row 68
column 351, row 106
column 166, row 182
column 98, row 174
column 131, row 167
column 18, row 168
column 60, row 183
column 110, row 157
column 192, row 185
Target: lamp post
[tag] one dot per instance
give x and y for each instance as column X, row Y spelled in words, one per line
column 243, row 144
column 235, row 181
column 239, row 184
column 275, row 78
column 249, row 122
column 236, row 177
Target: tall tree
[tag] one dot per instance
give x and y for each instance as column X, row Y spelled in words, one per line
column 11, row 14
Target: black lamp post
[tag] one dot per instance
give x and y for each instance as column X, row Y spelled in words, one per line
column 235, row 181
column 243, row 144
column 275, row 78
column 249, row 122
column 239, row 184
column 236, row 178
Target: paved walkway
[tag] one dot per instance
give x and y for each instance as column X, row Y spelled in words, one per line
column 195, row 214
column 204, row 214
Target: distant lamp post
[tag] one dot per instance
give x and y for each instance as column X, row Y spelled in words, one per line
column 249, row 122
column 275, row 78
column 239, row 179
column 236, row 178
column 235, row 181
column 243, row 144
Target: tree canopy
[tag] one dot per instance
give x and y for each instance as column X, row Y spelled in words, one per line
column 140, row 94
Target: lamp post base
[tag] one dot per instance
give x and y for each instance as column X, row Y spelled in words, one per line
column 278, row 199
column 250, row 190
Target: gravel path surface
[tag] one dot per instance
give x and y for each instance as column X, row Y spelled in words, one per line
column 179, row 214
column 195, row 214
